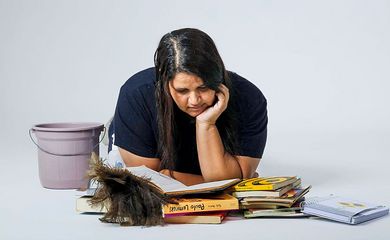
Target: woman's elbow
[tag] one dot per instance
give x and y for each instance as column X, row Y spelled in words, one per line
column 248, row 167
column 221, row 175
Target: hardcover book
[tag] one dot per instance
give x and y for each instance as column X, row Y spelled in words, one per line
column 287, row 200
column 221, row 202
column 268, row 193
column 202, row 217
column 344, row 209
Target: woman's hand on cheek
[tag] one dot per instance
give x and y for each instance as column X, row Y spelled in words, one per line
column 211, row 114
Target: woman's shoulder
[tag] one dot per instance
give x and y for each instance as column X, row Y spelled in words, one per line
column 245, row 89
column 141, row 80
column 139, row 89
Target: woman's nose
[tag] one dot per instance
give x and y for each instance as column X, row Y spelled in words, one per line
column 194, row 98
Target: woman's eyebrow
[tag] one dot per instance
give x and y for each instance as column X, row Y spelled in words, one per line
column 180, row 88
column 184, row 88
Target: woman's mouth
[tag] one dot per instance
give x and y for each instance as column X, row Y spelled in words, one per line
column 196, row 108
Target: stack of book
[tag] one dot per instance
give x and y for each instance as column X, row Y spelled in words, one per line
column 270, row 196
column 201, row 203
column 256, row 197
column 211, row 209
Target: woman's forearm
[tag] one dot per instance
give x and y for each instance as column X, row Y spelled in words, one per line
column 215, row 163
column 186, row 178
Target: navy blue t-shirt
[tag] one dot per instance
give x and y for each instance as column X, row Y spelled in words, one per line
column 135, row 122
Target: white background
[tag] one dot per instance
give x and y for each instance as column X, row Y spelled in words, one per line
column 324, row 67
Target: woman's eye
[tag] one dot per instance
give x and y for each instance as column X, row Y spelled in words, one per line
column 203, row 89
column 182, row 91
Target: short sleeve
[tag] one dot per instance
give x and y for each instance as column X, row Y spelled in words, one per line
column 133, row 123
column 253, row 120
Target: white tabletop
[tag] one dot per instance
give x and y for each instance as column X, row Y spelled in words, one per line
column 355, row 169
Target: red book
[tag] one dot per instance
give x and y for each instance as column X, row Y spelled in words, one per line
column 214, row 217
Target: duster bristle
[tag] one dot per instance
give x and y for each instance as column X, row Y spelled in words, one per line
column 132, row 201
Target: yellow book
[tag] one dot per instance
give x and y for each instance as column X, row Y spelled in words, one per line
column 266, row 183
column 268, row 193
column 221, row 202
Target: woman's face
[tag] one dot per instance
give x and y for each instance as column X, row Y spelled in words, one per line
column 190, row 94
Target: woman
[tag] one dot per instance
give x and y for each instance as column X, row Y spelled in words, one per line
column 188, row 117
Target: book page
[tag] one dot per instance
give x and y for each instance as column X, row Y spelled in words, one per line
column 166, row 183
column 170, row 185
column 206, row 185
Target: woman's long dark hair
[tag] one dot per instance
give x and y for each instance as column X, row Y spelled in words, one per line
column 194, row 52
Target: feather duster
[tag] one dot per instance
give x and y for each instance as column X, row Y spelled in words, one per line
column 132, row 200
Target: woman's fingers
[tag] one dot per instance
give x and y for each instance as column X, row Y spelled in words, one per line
column 223, row 96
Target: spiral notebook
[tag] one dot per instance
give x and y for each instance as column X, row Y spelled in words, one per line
column 343, row 209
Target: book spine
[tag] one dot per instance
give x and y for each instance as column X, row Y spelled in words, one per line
column 195, row 219
column 201, row 206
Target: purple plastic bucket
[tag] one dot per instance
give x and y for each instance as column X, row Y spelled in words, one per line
column 64, row 150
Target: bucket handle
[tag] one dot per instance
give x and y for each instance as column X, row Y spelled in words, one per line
column 63, row 155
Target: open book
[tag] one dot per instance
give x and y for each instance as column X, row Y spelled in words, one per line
column 172, row 187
